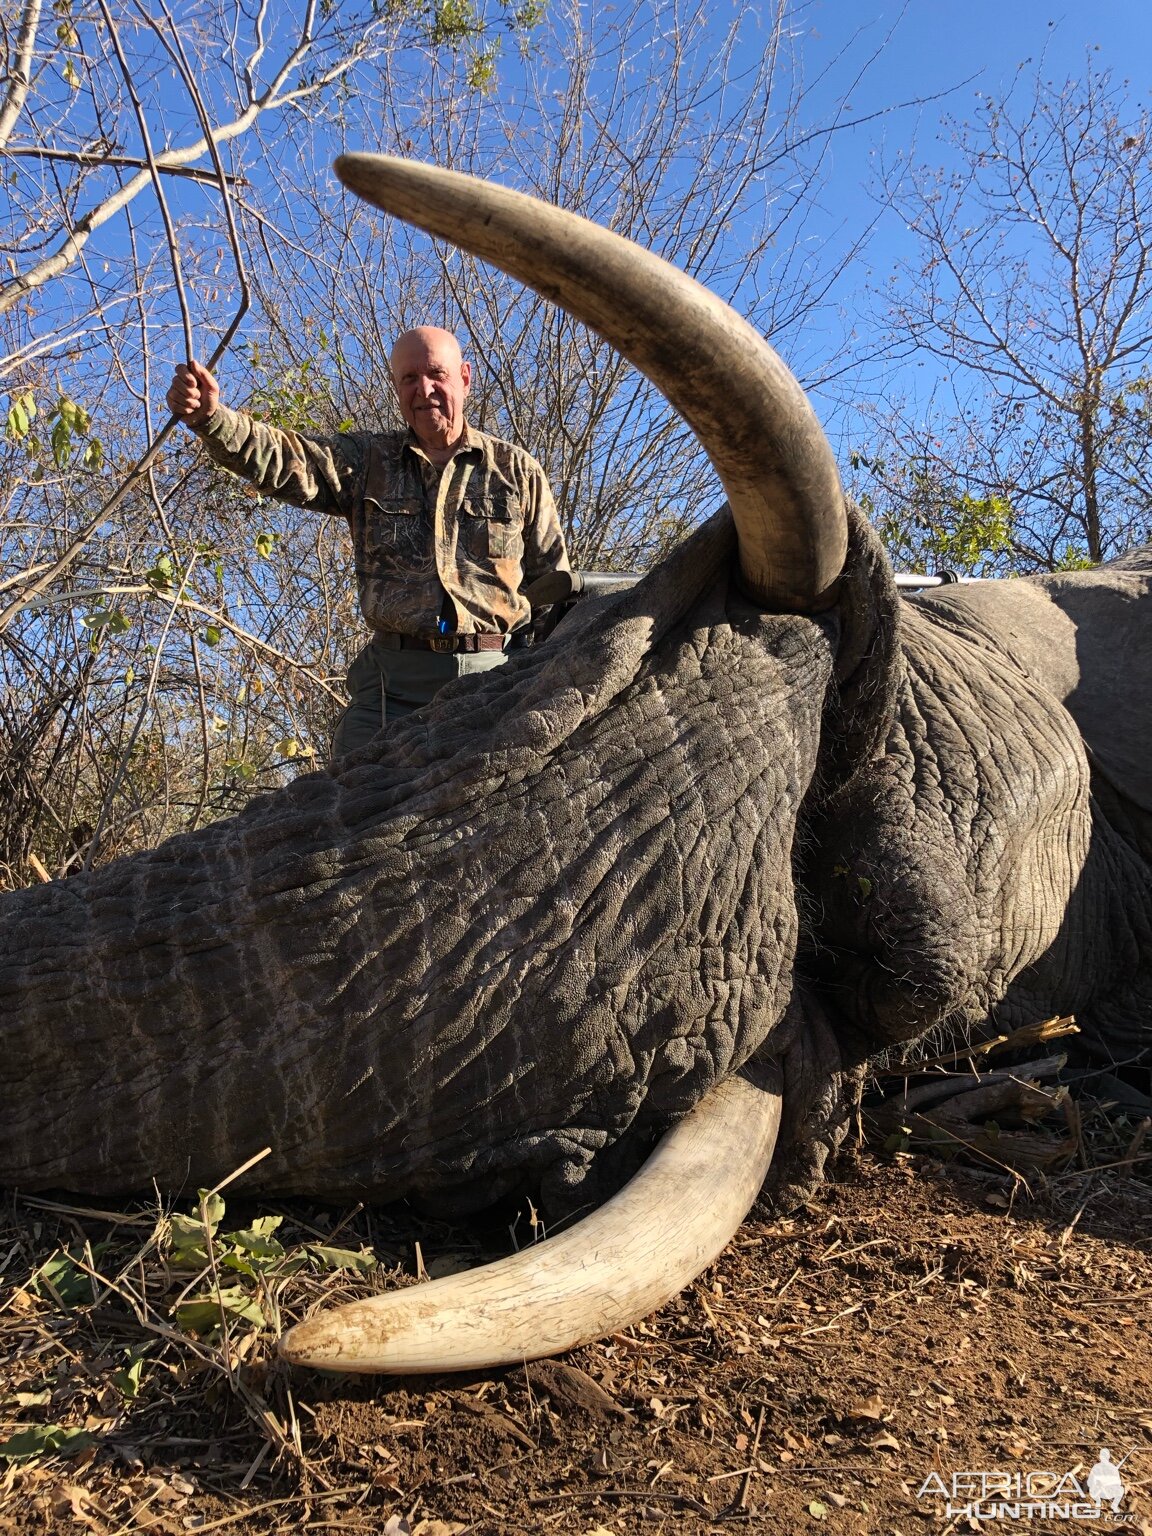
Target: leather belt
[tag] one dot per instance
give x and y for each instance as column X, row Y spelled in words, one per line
column 392, row 641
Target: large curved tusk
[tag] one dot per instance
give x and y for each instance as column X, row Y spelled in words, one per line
column 748, row 411
column 614, row 1267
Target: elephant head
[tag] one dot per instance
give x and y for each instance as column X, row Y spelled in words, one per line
column 560, row 909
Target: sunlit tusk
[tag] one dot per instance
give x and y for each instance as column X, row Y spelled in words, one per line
column 616, row 1266
column 750, row 414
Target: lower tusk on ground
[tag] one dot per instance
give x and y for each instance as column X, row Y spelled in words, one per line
column 616, row 1266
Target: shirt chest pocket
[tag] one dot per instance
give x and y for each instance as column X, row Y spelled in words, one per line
column 392, row 526
column 490, row 525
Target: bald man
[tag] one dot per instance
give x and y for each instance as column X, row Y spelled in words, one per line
column 455, row 533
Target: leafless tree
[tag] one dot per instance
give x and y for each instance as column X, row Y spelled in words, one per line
column 647, row 117
column 1032, row 292
column 169, row 642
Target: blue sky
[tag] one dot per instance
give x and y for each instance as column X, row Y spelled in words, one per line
column 956, row 48
column 952, row 52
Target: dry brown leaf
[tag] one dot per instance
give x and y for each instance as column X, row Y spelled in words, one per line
column 882, row 1441
column 574, row 1386
column 69, row 1498
column 867, row 1408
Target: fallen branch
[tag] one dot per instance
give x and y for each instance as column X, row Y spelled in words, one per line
column 1027, row 1034
column 951, row 1085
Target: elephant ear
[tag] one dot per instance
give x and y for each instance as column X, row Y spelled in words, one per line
column 748, row 412
column 1085, row 636
column 1109, row 692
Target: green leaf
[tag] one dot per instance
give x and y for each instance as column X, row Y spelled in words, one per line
column 213, row 635
column 61, row 444
column 60, row 1278
column 453, row 21
column 256, row 1247
column 72, row 414
column 343, row 1258
column 188, row 1235
column 265, row 544
column 287, row 746
column 211, row 1209
column 239, row 1265
column 204, row 1314
column 21, row 414
column 189, row 1244
column 481, row 71
column 262, row 1227
column 43, row 1440
column 114, row 620
column 817, row 1510
column 162, row 575
column 127, row 1381
column 70, row 419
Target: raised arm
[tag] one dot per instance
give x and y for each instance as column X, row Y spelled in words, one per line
column 323, row 474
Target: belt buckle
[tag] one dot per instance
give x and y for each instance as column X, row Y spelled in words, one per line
column 443, row 642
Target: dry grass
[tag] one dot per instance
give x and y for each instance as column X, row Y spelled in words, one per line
column 917, row 1317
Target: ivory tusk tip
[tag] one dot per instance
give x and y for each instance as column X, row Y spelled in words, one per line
column 323, row 1343
column 386, row 1333
column 370, row 175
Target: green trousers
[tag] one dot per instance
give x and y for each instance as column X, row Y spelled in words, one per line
column 385, row 685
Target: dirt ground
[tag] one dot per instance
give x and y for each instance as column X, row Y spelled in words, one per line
column 915, row 1320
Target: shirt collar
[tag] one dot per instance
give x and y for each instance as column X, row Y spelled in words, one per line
column 471, row 441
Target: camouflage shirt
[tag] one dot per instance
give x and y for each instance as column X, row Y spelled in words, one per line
column 460, row 541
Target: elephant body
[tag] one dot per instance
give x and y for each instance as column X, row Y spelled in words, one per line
column 538, row 921
column 756, row 815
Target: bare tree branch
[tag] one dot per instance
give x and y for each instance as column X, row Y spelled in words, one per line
column 20, row 70
column 274, row 97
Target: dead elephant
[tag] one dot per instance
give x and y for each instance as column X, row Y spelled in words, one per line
column 725, row 837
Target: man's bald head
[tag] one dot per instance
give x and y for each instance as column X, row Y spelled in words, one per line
column 432, row 381
column 423, row 339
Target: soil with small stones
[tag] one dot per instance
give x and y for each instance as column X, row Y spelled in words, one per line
column 912, row 1321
